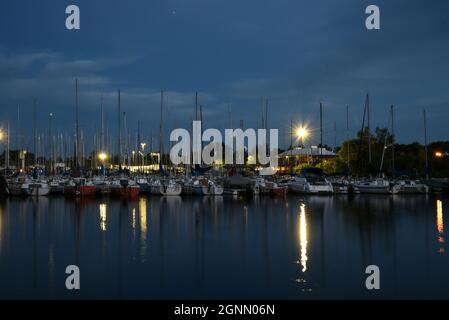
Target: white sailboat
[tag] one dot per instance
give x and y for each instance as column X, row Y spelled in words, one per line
column 36, row 188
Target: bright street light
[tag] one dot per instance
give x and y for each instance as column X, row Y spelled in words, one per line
column 102, row 156
column 302, row 132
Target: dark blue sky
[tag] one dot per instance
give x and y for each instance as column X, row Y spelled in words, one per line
column 296, row 53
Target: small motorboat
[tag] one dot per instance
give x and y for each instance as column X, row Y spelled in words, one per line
column 311, row 181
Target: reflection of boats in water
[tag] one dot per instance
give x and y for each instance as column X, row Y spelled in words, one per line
column 377, row 186
column 409, row 187
column 311, row 181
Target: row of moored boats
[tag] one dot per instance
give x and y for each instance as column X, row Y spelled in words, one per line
column 310, row 181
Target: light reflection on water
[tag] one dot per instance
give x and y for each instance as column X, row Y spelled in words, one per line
column 440, row 225
column 103, row 216
column 223, row 247
column 303, row 236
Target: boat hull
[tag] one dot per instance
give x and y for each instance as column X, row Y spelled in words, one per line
column 80, row 191
column 36, row 190
column 126, row 192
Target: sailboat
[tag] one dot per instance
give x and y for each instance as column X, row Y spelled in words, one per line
column 36, row 188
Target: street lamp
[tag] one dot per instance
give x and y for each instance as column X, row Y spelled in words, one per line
column 302, row 133
column 102, row 156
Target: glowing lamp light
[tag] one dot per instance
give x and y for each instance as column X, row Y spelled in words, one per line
column 302, row 132
column 438, row 154
column 102, row 156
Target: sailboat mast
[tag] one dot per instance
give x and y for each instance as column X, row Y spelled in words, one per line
column 321, row 134
column 8, row 131
column 369, row 129
column 35, row 130
column 77, row 126
column 266, row 113
column 125, row 129
column 425, row 145
column 119, row 129
column 161, row 146
column 392, row 138
column 102, row 142
column 347, row 134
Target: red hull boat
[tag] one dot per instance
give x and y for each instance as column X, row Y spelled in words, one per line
column 80, row 191
column 80, row 188
column 127, row 192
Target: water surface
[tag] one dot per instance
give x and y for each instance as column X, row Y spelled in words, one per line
column 223, row 247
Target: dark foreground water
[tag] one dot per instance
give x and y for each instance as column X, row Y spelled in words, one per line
column 179, row 248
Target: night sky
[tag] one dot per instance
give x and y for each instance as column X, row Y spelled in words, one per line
column 234, row 52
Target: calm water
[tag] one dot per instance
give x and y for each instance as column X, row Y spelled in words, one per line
column 295, row 248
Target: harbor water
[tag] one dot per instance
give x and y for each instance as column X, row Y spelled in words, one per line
column 225, row 247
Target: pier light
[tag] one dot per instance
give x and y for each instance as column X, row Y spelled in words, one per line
column 302, row 132
column 102, row 156
column 438, row 154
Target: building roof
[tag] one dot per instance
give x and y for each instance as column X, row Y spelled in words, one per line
column 310, row 151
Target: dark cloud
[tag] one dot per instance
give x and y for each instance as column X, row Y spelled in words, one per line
column 296, row 53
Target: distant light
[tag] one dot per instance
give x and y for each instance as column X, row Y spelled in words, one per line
column 2, row 135
column 102, row 156
column 438, row 154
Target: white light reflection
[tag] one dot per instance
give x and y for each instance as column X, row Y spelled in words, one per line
column 143, row 227
column 103, row 209
column 303, row 237
column 440, row 225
